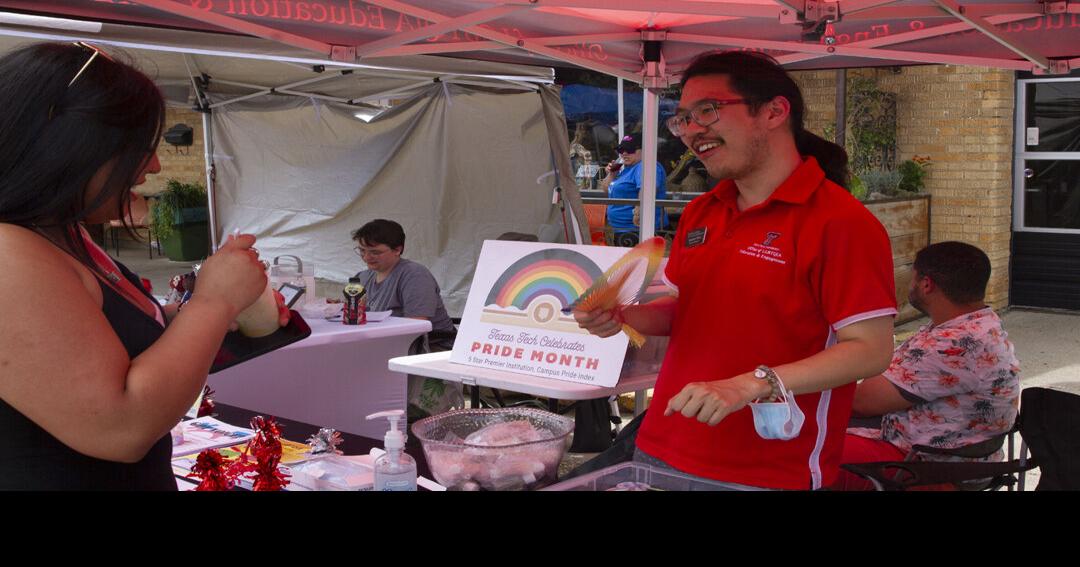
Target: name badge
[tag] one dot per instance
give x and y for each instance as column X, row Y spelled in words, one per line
column 696, row 237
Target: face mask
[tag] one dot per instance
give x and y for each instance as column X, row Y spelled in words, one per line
column 781, row 420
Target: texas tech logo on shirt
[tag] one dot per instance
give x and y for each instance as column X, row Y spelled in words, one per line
column 765, row 250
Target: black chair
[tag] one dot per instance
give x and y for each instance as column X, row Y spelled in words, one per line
column 1049, row 426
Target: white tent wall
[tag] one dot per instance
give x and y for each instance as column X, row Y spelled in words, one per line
column 454, row 165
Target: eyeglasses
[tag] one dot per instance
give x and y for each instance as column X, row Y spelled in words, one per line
column 369, row 252
column 704, row 114
column 95, row 51
column 626, row 151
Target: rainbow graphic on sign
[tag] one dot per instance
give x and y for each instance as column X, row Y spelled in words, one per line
column 533, row 291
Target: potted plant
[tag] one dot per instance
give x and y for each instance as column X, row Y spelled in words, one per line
column 179, row 219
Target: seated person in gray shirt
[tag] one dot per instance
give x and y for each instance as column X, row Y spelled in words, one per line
column 408, row 290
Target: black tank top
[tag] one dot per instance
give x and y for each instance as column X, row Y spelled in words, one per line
column 32, row 459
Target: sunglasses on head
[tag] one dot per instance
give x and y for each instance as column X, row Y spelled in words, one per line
column 95, row 51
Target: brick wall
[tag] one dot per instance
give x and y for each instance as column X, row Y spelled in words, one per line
column 962, row 117
column 186, row 164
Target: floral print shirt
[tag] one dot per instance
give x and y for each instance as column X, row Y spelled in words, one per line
column 963, row 380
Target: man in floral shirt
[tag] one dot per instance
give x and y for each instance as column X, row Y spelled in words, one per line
column 955, row 382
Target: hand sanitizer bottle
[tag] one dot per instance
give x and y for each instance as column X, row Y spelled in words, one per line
column 395, row 471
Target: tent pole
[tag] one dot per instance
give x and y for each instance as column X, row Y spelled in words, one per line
column 841, row 107
column 651, row 114
column 622, row 113
column 211, row 189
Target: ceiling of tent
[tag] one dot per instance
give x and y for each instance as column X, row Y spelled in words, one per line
column 242, row 65
column 616, row 36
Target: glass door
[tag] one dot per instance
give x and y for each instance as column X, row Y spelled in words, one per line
column 1047, row 167
column 1045, row 261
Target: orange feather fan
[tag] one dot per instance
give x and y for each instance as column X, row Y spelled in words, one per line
column 624, row 283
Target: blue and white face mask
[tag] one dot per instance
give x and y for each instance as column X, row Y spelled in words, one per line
column 781, row 420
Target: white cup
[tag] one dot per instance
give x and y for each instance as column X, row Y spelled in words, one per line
column 260, row 318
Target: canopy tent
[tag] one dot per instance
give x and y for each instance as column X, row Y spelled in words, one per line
column 608, row 35
column 303, row 171
column 645, row 41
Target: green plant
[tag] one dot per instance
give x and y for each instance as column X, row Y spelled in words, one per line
column 871, row 125
column 176, row 197
column 883, row 182
column 913, row 174
column 857, row 187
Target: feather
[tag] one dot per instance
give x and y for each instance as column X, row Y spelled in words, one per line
column 624, row 283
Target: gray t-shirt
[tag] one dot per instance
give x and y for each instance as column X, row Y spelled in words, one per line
column 409, row 291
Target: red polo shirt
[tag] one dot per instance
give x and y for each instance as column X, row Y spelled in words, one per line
column 768, row 285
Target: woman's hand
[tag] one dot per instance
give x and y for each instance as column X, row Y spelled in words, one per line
column 711, row 402
column 233, row 275
column 613, row 169
column 283, row 310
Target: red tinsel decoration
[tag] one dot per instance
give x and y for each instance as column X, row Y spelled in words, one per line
column 206, row 406
column 266, row 448
column 210, row 469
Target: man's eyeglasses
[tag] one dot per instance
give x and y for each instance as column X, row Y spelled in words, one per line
column 94, row 52
column 369, row 252
column 704, row 114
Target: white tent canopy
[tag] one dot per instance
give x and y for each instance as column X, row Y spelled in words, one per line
column 303, row 152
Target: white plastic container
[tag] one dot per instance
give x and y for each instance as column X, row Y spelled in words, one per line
column 298, row 273
column 636, row 477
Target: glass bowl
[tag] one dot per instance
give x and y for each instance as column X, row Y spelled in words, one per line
column 494, row 449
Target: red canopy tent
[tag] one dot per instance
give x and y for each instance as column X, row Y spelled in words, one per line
column 644, row 41
column 607, row 35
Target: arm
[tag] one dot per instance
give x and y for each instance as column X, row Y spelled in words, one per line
column 419, row 294
column 878, row 396
column 170, row 310
column 653, row 318
column 863, row 349
column 65, row 368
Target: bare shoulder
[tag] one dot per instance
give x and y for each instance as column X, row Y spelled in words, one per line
column 33, row 267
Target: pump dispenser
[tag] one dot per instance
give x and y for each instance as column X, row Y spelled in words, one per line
column 396, row 470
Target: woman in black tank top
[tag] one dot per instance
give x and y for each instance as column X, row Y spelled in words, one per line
column 31, row 458
column 93, row 373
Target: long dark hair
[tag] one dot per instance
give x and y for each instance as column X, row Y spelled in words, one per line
column 55, row 137
column 759, row 78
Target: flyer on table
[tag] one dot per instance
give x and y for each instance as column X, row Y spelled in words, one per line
column 514, row 317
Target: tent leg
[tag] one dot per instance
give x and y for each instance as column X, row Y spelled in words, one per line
column 211, row 190
column 622, row 110
column 651, row 119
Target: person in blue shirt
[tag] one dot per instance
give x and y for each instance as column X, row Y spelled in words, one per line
column 626, row 184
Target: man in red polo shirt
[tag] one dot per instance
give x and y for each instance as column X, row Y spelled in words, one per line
column 785, row 286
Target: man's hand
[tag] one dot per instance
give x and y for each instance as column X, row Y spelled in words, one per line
column 600, row 322
column 711, row 402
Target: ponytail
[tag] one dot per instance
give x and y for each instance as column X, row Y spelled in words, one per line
column 832, row 158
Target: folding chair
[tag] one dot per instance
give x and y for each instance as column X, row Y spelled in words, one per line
column 1049, row 426
column 139, row 217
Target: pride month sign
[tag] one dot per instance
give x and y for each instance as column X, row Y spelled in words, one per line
column 514, row 317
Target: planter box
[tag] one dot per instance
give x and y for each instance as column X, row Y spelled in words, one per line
column 907, row 220
column 192, row 215
column 190, row 239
